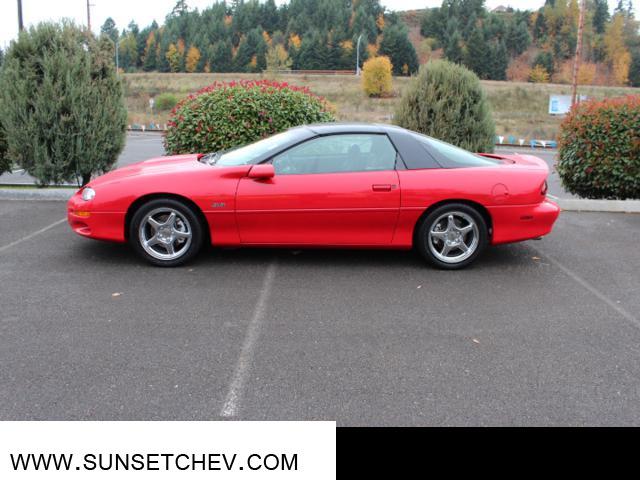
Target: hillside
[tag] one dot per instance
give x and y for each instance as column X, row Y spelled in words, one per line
column 520, row 109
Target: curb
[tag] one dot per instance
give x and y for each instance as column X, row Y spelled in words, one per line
column 586, row 205
column 566, row 204
column 42, row 194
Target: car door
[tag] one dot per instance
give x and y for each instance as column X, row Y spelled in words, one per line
column 339, row 189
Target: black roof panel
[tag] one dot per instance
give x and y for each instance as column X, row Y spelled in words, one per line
column 347, row 127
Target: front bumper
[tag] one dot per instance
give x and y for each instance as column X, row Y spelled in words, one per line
column 87, row 222
column 515, row 223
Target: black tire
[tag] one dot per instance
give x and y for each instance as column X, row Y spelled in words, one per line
column 460, row 213
column 186, row 222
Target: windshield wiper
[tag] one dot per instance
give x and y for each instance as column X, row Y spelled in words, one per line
column 211, row 158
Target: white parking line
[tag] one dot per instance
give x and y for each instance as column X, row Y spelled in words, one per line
column 31, row 235
column 627, row 315
column 230, row 408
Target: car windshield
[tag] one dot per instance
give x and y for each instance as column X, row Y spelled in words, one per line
column 249, row 154
column 454, row 156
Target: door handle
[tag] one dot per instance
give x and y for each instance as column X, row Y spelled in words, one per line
column 383, row 187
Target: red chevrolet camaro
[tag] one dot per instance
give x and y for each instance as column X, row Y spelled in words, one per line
column 327, row 185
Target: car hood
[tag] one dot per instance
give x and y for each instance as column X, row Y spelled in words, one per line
column 154, row 166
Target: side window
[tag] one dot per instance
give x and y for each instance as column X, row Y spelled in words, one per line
column 338, row 153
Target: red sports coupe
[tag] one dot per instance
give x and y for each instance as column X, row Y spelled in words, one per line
column 327, row 185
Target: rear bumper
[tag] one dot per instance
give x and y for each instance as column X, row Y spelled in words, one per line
column 514, row 223
column 99, row 225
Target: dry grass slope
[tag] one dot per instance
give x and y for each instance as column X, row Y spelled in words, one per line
column 520, row 109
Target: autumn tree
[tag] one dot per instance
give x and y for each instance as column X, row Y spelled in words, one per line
column 173, row 57
column 616, row 52
column 539, row 75
column 193, row 59
column 278, row 58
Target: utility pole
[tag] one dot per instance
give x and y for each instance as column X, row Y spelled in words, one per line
column 88, row 15
column 576, row 63
column 20, row 24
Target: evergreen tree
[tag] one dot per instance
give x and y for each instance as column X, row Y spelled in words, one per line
column 251, row 55
column 109, row 29
column 313, row 52
column 446, row 101
column 475, row 57
column 499, row 61
column 364, row 23
column 161, row 53
column 5, row 162
column 600, row 16
column 634, row 69
column 395, row 44
column 545, row 59
column 180, row 8
column 453, row 42
column 150, row 53
column 221, row 56
column 269, row 16
column 433, row 23
column 540, row 27
column 518, row 38
column 62, row 103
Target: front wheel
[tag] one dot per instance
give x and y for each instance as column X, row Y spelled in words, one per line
column 166, row 232
column 452, row 236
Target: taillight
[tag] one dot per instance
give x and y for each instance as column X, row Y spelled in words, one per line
column 544, row 188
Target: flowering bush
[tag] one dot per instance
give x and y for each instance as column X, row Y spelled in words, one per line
column 600, row 149
column 224, row 115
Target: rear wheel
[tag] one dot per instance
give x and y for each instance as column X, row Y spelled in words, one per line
column 452, row 236
column 166, row 232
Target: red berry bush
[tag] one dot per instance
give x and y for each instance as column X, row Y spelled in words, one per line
column 600, row 149
column 228, row 114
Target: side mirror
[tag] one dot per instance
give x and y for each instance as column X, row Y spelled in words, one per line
column 262, row 172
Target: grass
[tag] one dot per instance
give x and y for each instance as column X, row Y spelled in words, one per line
column 520, row 109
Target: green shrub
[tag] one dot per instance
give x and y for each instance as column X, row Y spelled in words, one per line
column 61, row 103
column 5, row 164
column 376, row 77
column 446, row 101
column 600, row 149
column 165, row 102
column 225, row 115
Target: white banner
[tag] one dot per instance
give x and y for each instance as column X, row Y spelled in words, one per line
column 163, row 450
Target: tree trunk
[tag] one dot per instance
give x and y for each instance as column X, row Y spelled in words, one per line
column 86, row 178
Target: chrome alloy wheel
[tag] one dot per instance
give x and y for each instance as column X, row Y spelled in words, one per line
column 453, row 237
column 165, row 234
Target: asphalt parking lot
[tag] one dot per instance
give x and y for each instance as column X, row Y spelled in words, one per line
column 539, row 333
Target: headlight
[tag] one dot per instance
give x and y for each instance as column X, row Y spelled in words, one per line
column 88, row 194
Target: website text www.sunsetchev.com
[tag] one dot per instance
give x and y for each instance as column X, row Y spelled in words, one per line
column 167, row 450
column 167, row 462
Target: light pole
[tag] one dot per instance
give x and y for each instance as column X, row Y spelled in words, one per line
column 358, row 56
column 116, row 45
